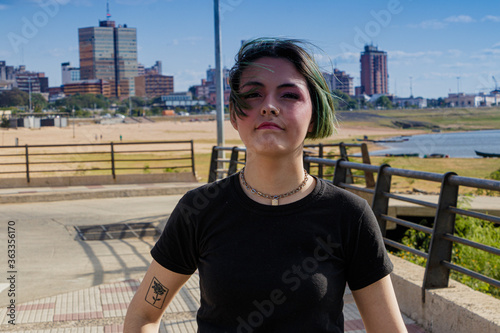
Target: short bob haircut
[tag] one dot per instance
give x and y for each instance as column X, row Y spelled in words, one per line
column 291, row 50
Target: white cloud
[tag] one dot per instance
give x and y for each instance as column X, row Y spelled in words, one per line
column 459, row 19
column 347, row 57
column 5, row 54
column 491, row 18
column 56, row 52
column 430, row 24
column 186, row 78
column 189, row 40
column 459, row 65
column 402, row 55
column 494, row 52
column 455, row 52
column 3, row 7
column 441, row 24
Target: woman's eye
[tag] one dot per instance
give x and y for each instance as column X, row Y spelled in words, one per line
column 251, row 95
column 291, row 95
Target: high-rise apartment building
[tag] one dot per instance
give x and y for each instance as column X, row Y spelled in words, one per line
column 374, row 71
column 339, row 80
column 109, row 53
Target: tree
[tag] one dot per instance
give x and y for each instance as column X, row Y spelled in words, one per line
column 384, row 102
column 38, row 102
column 85, row 101
column 14, row 97
column 343, row 101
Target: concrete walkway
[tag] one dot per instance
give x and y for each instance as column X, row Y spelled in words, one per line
column 64, row 284
column 102, row 309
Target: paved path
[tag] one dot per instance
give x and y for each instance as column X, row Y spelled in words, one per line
column 102, row 309
column 65, row 284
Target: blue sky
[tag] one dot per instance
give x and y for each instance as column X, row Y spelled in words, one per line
column 433, row 42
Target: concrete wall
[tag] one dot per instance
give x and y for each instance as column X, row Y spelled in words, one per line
column 457, row 309
column 98, row 180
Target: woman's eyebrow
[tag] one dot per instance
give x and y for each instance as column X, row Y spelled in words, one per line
column 260, row 84
column 288, row 85
column 253, row 83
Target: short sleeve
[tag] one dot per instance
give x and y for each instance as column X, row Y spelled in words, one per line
column 177, row 249
column 369, row 261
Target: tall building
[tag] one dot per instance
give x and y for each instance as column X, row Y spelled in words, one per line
column 96, row 87
column 339, row 80
column 7, row 77
column 373, row 71
column 154, row 85
column 69, row 74
column 211, row 77
column 109, row 53
column 6, row 72
column 34, row 82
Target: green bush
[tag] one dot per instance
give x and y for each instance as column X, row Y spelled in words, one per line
column 485, row 263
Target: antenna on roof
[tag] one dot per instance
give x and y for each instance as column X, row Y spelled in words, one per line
column 108, row 15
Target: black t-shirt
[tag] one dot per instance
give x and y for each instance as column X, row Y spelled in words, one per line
column 273, row 268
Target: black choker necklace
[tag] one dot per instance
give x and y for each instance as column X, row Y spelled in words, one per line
column 274, row 198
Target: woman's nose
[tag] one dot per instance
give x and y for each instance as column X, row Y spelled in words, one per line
column 269, row 110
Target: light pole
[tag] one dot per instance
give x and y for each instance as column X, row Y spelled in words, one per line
column 29, row 89
column 73, row 112
column 219, row 88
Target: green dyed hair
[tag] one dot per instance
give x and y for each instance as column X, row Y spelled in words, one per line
column 293, row 51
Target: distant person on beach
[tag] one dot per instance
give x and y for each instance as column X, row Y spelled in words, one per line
column 274, row 246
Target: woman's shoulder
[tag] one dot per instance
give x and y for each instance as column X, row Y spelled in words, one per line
column 210, row 191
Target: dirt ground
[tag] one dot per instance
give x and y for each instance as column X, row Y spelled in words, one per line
column 204, row 133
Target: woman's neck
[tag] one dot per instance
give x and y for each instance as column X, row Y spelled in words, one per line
column 275, row 176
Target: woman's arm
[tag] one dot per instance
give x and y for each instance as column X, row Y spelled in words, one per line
column 156, row 291
column 378, row 307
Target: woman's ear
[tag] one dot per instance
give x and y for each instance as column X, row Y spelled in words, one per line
column 232, row 117
column 233, row 121
column 310, row 129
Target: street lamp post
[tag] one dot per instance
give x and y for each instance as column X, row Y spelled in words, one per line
column 73, row 112
column 219, row 87
column 29, row 89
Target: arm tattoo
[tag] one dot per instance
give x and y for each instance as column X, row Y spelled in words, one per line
column 156, row 293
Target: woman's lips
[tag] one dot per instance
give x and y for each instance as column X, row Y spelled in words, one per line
column 269, row 125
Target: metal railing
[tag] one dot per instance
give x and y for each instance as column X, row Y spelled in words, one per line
column 335, row 151
column 439, row 256
column 109, row 158
column 220, row 167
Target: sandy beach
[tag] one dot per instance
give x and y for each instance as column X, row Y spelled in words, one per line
column 204, row 133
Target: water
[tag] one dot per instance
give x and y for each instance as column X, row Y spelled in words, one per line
column 461, row 144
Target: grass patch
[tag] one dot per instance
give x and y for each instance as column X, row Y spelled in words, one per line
column 466, row 167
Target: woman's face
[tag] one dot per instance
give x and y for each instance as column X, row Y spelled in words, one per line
column 276, row 85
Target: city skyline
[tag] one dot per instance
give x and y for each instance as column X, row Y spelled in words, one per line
column 434, row 47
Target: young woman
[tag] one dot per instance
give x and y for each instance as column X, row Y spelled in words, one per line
column 274, row 246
